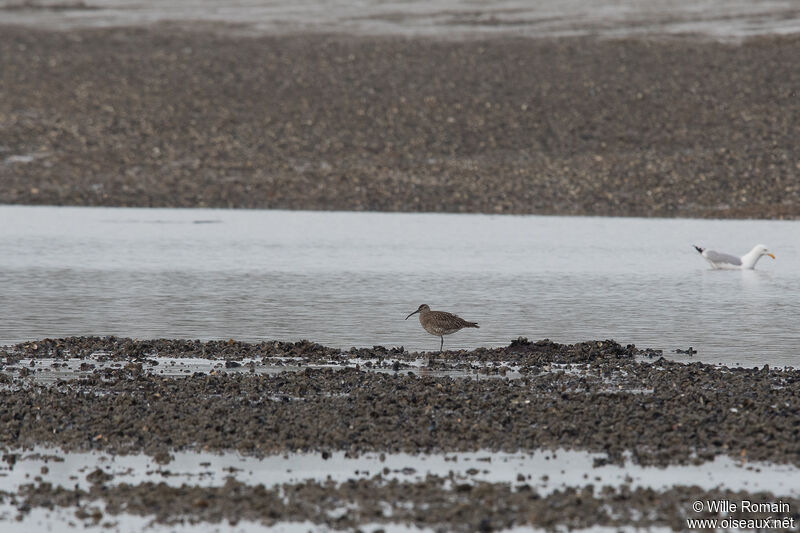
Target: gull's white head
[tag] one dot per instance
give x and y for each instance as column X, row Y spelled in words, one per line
column 759, row 250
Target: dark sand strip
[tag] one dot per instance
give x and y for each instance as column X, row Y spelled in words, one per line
column 168, row 117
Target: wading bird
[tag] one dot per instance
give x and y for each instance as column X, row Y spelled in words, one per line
column 440, row 323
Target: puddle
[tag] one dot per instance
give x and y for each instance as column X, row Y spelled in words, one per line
column 63, row 519
column 47, row 371
column 23, row 159
column 50, row 370
column 543, row 471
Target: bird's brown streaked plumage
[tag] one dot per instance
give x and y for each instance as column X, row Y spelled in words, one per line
column 441, row 323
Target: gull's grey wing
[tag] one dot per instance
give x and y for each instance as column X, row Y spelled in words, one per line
column 718, row 257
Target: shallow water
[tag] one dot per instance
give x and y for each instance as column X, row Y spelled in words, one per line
column 349, row 279
column 50, row 370
column 545, row 471
column 42, row 520
column 439, row 18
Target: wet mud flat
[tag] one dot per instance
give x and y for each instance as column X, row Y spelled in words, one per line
column 626, row 405
column 347, row 506
column 597, row 396
column 177, row 117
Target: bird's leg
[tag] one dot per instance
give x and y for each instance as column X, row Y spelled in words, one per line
column 442, row 344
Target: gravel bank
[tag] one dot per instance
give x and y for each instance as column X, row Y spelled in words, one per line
column 171, row 117
column 600, row 398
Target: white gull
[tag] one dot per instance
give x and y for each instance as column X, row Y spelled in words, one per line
column 748, row 261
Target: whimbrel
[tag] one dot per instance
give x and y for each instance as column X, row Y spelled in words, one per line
column 440, row 323
column 746, row 262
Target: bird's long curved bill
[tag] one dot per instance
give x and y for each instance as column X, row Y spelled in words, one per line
column 414, row 313
column 772, row 256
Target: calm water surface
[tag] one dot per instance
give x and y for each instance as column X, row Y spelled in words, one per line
column 349, row 279
column 722, row 19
